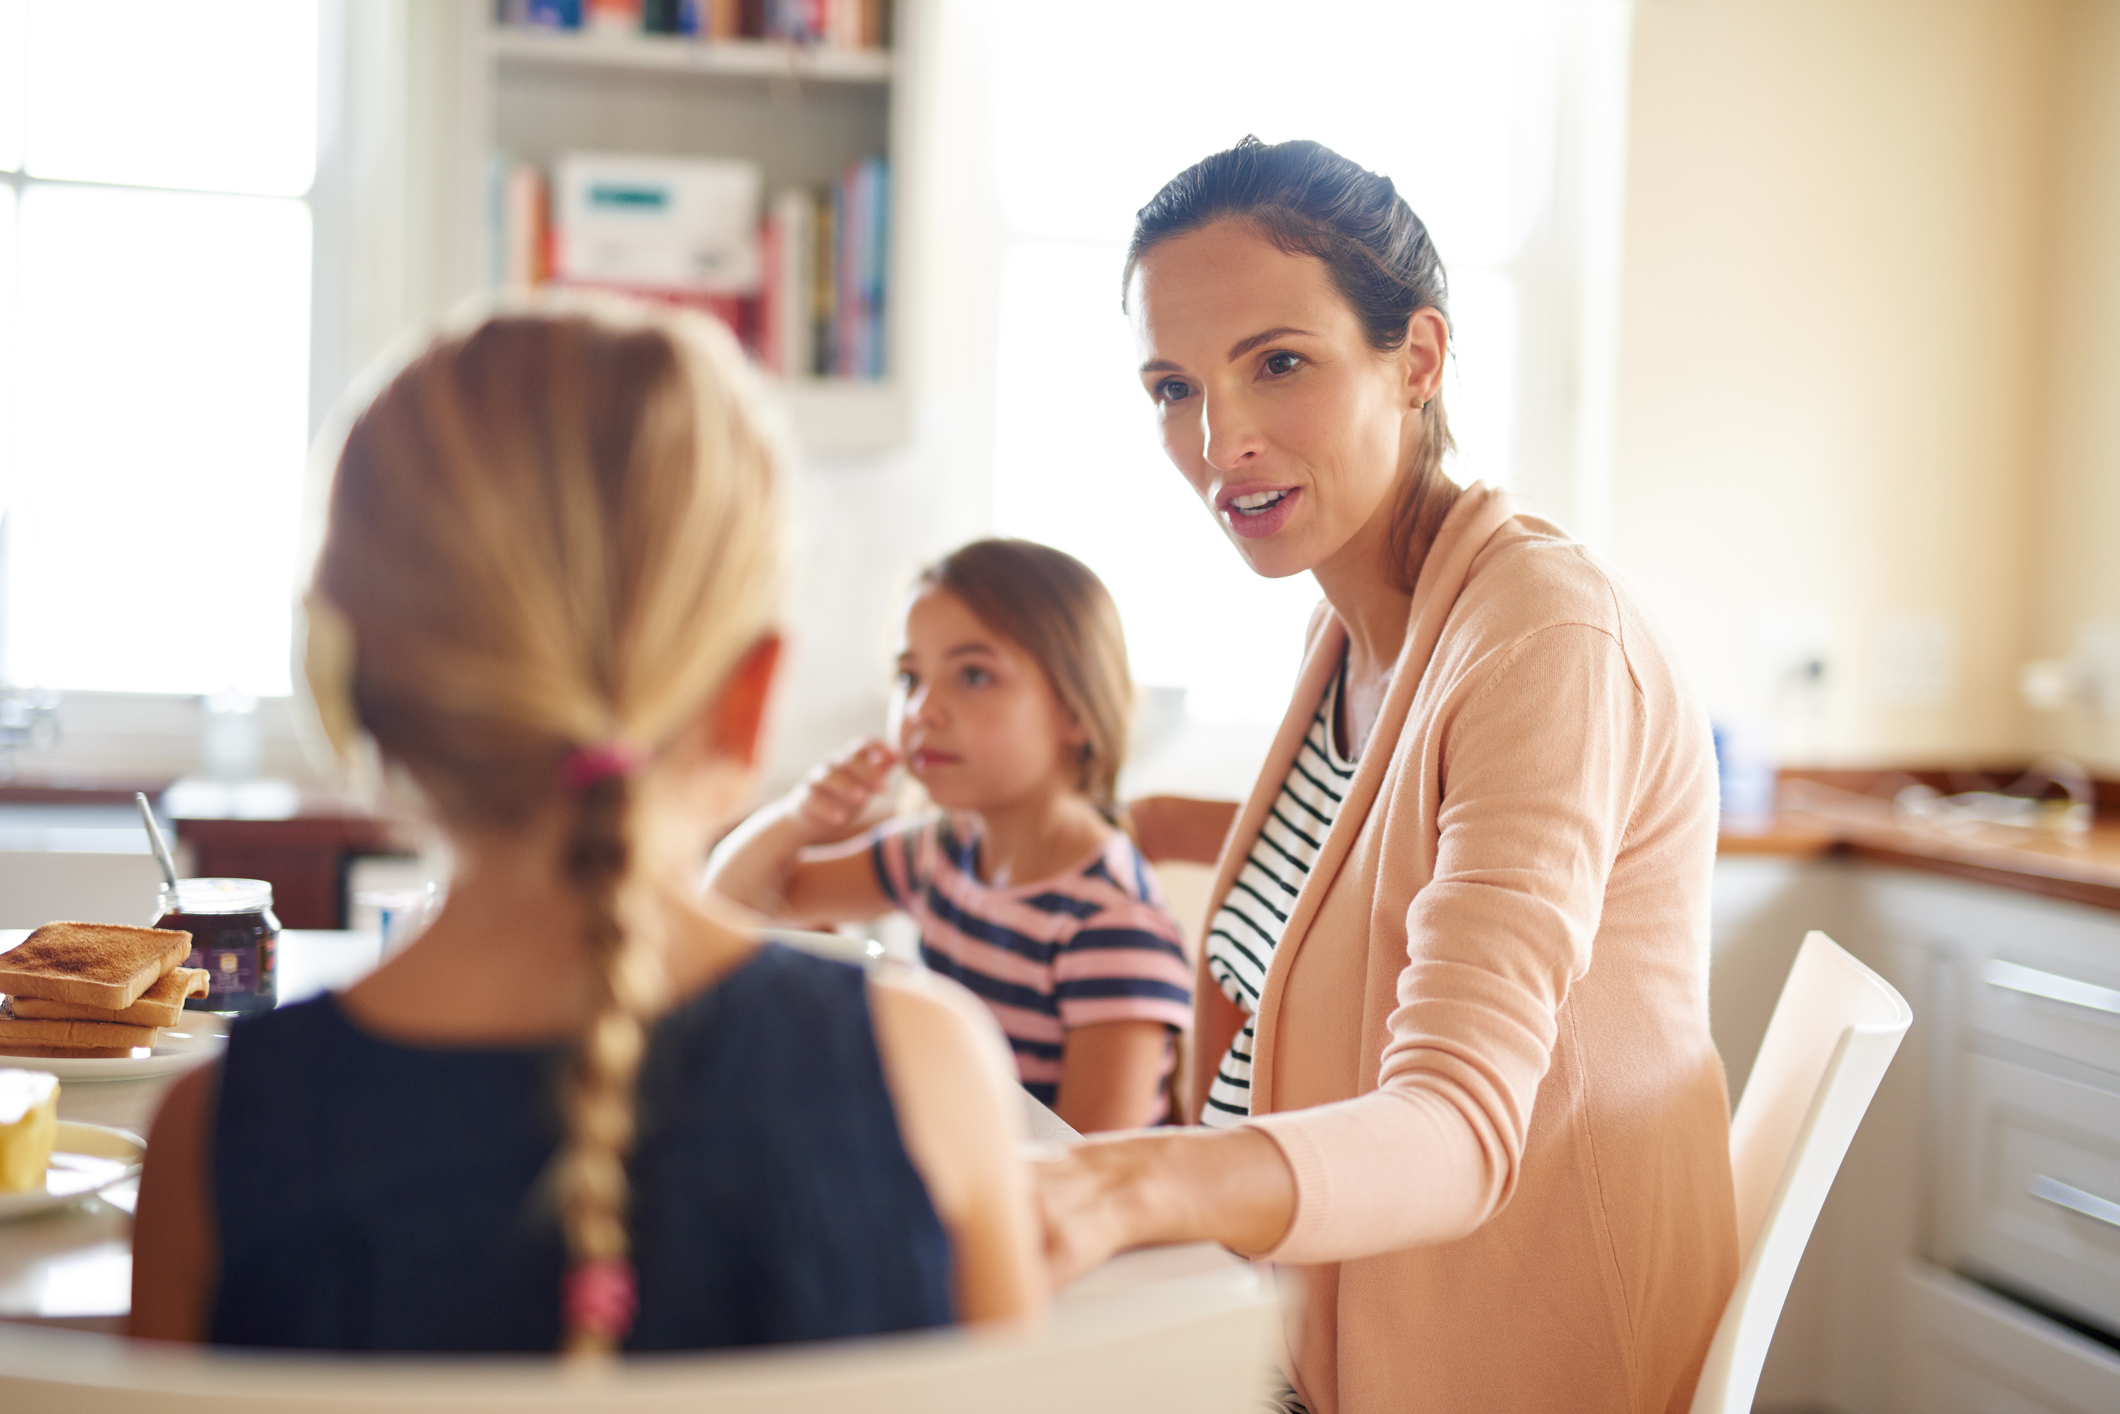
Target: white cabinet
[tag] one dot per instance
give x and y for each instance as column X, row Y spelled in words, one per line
column 2030, row 1191
column 1997, row 1125
column 1968, row 1351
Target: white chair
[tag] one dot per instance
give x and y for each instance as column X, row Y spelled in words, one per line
column 1202, row 1342
column 1833, row 1035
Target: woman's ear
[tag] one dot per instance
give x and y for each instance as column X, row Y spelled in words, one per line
column 1427, row 346
column 736, row 719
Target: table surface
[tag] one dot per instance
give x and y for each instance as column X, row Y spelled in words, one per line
column 73, row 1266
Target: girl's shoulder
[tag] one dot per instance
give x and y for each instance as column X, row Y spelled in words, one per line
column 1114, row 890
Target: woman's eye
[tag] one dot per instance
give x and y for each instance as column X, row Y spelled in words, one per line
column 975, row 677
column 1281, row 361
column 1173, row 390
column 907, row 680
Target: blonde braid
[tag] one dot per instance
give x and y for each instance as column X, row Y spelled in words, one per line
column 599, row 1098
column 552, row 537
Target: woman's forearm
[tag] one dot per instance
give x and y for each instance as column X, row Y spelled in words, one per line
column 1104, row 1196
column 754, row 864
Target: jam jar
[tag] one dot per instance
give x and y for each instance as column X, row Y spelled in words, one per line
column 233, row 936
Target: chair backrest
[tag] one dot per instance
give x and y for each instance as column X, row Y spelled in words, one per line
column 1832, row 1036
column 1202, row 1343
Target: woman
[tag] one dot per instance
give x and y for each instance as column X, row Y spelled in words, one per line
column 1452, row 1017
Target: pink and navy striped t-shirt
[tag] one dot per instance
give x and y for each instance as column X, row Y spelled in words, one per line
column 1094, row 944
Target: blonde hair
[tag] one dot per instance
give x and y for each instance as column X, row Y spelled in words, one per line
column 1054, row 608
column 557, row 531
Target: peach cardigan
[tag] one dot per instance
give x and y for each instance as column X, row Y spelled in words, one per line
column 1483, row 1044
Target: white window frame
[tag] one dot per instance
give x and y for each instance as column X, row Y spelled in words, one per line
column 393, row 207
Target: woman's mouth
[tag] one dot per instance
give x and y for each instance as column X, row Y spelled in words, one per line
column 927, row 759
column 1257, row 512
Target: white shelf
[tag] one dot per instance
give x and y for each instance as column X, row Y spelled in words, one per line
column 844, row 416
column 729, row 58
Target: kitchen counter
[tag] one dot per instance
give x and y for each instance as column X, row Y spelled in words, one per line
column 1816, row 822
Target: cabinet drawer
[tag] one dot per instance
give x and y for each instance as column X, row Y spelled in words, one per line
column 2068, row 1007
column 1939, row 1384
column 1966, row 1351
column 2036, row 1187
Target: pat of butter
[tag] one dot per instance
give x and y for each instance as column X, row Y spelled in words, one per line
column 29, row 1124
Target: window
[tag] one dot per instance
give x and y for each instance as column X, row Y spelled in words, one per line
column 1481, row 115
column 155, row 294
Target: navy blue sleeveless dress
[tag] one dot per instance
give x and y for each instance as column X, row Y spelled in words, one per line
column 379, row 1196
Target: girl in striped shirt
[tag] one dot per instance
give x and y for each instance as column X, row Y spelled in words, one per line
column 1011, row 710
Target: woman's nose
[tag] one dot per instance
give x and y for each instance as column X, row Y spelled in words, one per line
column 1228, row 435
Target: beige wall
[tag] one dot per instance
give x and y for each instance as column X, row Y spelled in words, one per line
column 1833, row 350
column 2076, row 544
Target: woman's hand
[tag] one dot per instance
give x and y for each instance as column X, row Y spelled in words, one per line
column 1086, row 1205
column 1103, row 1196
column 844, row 795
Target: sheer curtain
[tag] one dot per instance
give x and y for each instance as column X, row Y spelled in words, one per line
column 1498, row 122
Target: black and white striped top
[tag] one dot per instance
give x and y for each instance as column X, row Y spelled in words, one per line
column 1247, row 927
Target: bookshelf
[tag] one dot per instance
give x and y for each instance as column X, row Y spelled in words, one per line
column 801, row 113
column 745, row 58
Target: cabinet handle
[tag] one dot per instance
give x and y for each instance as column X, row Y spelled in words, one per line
column 2052, row 986
column 2063, row 1195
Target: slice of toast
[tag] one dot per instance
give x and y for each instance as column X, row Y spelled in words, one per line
column 160, row 1005
column 95, row 964
column 73, row 1033
column 32, row 1048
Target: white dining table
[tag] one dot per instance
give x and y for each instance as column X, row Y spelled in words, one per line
column 72, row 1266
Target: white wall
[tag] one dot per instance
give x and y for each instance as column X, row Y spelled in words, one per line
column 1833, row 357
column 2076, row 535
column 864, row 525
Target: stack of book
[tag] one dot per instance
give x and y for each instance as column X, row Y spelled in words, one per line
column 838, row 24
column 824, row 259
column 804, row 289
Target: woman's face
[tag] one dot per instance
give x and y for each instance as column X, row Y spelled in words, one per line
column 976, row 721
column 1273, row 404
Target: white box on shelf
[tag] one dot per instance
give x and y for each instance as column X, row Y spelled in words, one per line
column 681, row 224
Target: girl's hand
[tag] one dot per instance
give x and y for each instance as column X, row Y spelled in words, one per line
column 845, row 794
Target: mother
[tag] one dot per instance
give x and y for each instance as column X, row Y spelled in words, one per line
column 1453, row 1019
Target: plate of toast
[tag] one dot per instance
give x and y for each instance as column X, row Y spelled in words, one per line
column 101, row 1001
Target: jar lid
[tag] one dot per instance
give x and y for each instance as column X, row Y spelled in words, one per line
column 219, row 896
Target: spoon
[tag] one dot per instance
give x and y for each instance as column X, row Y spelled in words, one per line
column 154, row 838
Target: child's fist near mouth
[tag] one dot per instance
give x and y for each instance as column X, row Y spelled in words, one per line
column 845, row 794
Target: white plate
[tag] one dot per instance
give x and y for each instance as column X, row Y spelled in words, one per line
column 197, row 1036
column 86, row 1158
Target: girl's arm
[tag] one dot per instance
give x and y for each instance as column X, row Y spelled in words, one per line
column 1111, row 1075
column 174, row 1233
column 767, row 864
column 960, row 1113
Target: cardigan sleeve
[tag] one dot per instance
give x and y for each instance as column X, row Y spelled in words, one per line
column 1539, row 769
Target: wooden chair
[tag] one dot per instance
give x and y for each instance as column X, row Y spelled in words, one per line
column 1182, row 838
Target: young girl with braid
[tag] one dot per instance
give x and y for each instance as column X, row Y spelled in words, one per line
column 582, row 1111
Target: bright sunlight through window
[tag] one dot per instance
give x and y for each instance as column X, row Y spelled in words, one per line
column 157, row 358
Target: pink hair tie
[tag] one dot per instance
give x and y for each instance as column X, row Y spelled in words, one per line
column 599, row 1298
column 586, row 765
